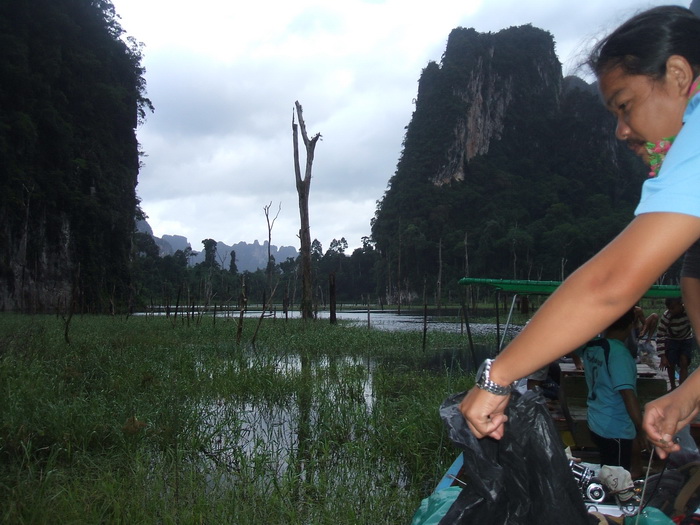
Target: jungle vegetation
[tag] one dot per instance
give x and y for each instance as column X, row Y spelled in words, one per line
column 72, row 92
column 508, row 170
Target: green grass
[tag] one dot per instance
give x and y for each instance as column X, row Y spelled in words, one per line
column 143, row 420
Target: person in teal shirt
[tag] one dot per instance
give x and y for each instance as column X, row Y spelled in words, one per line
column 614, row 414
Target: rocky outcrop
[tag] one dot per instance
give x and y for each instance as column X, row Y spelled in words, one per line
column 37, row 281
column 507, row 169
column 493, row 88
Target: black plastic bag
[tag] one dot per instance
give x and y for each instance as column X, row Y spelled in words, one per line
column 523, row 478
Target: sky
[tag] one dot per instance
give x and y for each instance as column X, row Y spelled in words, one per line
column 223, row 76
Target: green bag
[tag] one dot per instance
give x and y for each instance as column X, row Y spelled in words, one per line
column 649, row 516
column 434, row 507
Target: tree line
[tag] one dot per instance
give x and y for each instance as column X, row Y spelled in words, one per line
column 508, row 170
column 171, row 280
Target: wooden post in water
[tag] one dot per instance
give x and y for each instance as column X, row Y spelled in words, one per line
column 331, row 297
column 425, row 315
column 177, row 303
column 465, row 316
column 242, row 302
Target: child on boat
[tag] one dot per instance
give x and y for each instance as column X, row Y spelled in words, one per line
column 674, row 340
column 614, row 414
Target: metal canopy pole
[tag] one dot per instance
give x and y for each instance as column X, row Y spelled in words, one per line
column 505, row 330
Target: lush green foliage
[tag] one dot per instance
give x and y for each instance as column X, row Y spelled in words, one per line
column 72, row 93
column 553, row 189
column 170, row 280
column 141, row 420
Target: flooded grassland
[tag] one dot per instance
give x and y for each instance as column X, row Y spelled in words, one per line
column 149, row 420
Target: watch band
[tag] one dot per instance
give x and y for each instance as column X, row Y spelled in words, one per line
column 484, row 382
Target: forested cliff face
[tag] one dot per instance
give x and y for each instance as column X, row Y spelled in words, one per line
column 489, row 78
column 508, row 170
column 71, row 95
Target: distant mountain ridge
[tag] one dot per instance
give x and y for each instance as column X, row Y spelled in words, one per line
column 249, row 257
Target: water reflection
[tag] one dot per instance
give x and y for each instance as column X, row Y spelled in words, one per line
column 380, row 319
column 312, row 404
column 302, row 419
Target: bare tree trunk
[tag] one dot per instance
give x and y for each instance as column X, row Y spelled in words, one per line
column 398, row 273
column 262, row 315
column 425, row 315
column 242, row 305
column 470, row 295
column 303, row 186
column 439, row 279
column 71, row 306
column 466, row 255
column 177, row 303
column 267, row 303
column 270, row 266
column 332, row 298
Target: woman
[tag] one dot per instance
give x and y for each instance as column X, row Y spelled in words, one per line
column 648, row 72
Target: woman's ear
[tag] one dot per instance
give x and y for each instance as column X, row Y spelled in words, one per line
column 679, row 74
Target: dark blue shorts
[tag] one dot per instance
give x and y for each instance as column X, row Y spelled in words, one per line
column 614, row 451
column 675, row 348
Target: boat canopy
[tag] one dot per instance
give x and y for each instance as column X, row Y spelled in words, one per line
column 525, row 287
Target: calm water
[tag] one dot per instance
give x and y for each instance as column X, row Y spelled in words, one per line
column 388, row 320
column 264, row 435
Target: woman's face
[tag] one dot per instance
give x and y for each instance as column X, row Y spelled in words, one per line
column 647, row 110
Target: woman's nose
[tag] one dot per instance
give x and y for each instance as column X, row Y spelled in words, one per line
column 622, row 131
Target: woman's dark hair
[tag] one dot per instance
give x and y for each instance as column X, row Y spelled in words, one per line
column 643, row 44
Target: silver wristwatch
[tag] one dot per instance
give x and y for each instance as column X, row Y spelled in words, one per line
column 483, row 380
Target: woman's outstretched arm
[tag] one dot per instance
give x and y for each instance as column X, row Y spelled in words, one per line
column 584, row 305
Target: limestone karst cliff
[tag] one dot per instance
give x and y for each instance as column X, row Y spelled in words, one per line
column 71, row 93
column 507, row 170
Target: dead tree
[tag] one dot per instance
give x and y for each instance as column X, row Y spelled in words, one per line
column 270, row 268
column 439, row 279
column 267, row 302
column 332, row 298
column 303, row 186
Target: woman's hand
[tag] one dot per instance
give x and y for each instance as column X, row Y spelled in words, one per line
column 663, row 362
column 485, row 412
column 664, row 417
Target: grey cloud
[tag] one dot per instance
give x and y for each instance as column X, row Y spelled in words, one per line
column 219, row 145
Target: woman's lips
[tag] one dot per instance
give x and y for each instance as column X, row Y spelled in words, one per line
column 638, row 147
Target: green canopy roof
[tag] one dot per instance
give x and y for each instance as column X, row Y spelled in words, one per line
column 547, row 287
